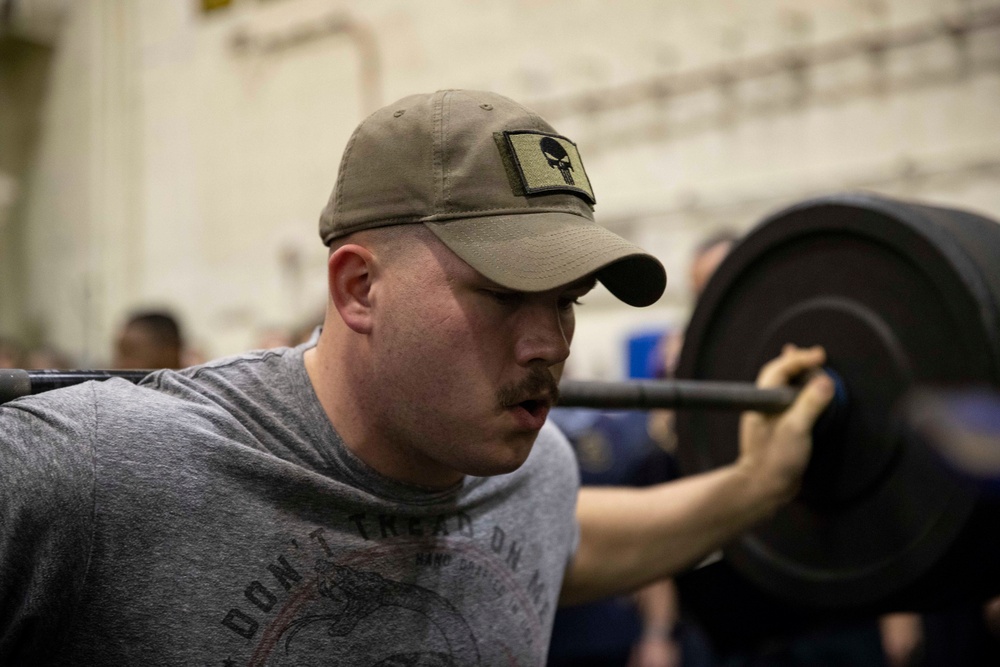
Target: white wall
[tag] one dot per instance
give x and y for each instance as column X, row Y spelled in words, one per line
column 187, row 156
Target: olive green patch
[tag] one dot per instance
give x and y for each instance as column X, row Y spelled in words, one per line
column 543, row 163
column 509, row 165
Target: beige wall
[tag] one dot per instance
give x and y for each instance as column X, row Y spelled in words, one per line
column 186, row 156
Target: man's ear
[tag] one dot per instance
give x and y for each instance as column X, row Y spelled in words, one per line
column 350, row 272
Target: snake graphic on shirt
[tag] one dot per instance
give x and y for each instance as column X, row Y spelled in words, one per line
column 358, row 594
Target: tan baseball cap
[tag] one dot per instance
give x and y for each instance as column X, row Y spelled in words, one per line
column 496, row 184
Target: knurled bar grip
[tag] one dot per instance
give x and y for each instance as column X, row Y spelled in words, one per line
column 15, row 383
column 701, row 394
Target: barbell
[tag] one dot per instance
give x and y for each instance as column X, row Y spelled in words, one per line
column 904, row 297
column 638, row 394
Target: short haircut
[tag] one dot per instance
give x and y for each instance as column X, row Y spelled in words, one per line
column 161, row 325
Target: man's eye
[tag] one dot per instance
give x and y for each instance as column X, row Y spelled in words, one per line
column 503, row 297
column 567, row 303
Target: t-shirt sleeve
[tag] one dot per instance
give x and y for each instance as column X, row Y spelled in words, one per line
column 46, row 513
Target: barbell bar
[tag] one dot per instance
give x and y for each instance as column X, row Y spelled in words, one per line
column 674, row 394
column 677, row 394
column 16, row 382
column 636, row 394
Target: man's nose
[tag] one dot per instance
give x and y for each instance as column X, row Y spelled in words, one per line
column 542, row 335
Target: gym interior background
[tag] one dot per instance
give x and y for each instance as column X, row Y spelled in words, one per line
column 177, row 154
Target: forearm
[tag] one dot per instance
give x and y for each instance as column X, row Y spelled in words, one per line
column 657, row 604
column 631, row 537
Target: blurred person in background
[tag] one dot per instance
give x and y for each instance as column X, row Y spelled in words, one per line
column 705, row 259
column 275, row 336
column 309, row 328
column 634, row 448
column 149, row 339
column 271, row 337
column 614, row 448
column 11, row 353
column 46, row 356
column 896, row 639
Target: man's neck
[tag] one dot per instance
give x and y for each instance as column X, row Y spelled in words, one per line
column 342, row 399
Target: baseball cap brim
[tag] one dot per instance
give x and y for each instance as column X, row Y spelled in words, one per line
column 534, row 252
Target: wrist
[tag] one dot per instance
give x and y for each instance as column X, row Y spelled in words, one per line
column 764, row 491
column 659, row 631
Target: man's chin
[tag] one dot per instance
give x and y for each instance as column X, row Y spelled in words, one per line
column 506, row 458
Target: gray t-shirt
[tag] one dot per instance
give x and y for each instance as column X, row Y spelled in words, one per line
column 214, row 517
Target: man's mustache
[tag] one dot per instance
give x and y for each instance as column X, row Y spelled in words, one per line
column 538, row 383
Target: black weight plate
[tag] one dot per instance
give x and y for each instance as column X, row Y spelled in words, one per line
column 896, row 296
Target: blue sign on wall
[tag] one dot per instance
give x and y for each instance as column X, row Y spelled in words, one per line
column 642, row 353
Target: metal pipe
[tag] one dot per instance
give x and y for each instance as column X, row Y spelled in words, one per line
column 649, row 394
column 634, row 394
column 339, row 23
column 15, row 383
column 756, row 67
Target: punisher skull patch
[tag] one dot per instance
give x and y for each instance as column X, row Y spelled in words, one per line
column 538, row 162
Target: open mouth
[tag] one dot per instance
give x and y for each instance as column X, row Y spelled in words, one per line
column 534, row 410
column 534, row 407
column 530, row 400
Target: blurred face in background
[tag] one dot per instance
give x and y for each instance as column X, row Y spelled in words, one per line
column 10, row 355
column 705, row 264
column 138, row 347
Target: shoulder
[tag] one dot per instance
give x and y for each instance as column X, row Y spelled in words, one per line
column 70, row 411
column 47, row 452
column 273, row 372
column 53, row 435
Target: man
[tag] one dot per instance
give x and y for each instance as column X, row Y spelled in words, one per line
column 149, row 339
column 707, row 257
column 391, row 494
column 11, row 353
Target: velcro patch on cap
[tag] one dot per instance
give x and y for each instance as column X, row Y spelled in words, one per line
column 543, row 162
